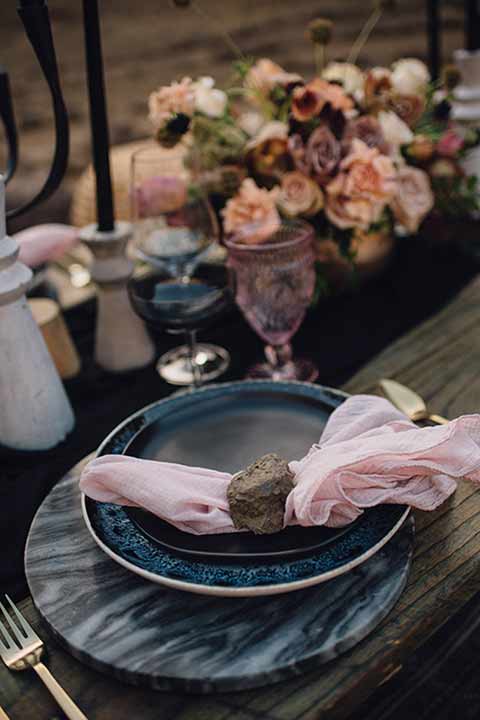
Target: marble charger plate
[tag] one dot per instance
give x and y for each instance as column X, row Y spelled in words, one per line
column 226, row 427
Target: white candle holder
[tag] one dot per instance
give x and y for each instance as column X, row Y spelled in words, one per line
column 35, row 413
column 121, row 339
column 466, row 102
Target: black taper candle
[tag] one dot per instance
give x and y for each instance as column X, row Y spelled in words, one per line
column 472, row 25
column 433, row 38
column 98, row 115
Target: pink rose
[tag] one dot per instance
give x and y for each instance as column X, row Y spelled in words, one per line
column 450, row 144
column 299, row 195
column 413, row 199
column 170, row 100
column 159, row 195
column 357, row 196
column 251, row 216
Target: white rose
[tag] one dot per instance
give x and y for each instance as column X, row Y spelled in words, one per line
column 209, row 100
column 410, row 77
column 350, row 76
column 394, row 130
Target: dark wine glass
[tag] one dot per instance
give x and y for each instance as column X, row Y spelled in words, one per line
column 185, row 308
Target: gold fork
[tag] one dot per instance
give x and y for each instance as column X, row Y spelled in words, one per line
column 24, row 651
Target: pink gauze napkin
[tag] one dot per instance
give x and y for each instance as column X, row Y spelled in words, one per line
column 42, row 243
column 368, row 454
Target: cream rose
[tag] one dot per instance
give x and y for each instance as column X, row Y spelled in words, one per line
column 299, row 195
column 357, row 196
column 274, row 130
column 410, row 77
column 209, row 100
column 349, row 75
column 179, row 97
column 251, row 216
column 251, row 122
column 395, row 131
column 414, row 198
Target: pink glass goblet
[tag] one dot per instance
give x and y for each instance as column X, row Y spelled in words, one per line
column 274, row 285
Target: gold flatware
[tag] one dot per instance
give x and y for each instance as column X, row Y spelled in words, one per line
column 409, row 402
column 21, row 649
column 3, row 715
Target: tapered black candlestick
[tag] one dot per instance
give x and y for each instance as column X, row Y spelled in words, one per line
column 98, row 115
column 472, row 25
column 433, row 38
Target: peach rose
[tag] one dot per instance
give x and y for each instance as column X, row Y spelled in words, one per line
column 264, row 75
column 179, row 97
column 413, row 199
column 299, row 195
column 357, row 196
column 309, row 100
column 421, row 148
column 251, row 215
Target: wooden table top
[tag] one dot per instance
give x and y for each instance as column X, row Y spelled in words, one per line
column 437, row 359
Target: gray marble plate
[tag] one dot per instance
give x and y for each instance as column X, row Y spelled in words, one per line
column 146, row 634
column 226, row 427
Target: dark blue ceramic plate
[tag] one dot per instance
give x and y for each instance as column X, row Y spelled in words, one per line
column 226, row 427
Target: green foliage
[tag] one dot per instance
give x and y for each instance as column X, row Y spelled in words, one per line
column 322, row 288
column 216, row 141
column 241, row 67
column 456, row 198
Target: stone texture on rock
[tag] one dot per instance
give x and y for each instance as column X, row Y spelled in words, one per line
column 257, row 495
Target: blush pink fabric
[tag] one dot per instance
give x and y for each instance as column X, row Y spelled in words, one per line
column 369, row 454
column 42, row 243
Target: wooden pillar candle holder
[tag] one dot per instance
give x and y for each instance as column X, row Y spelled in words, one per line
column 121, row 339
column 35, row 413
column 49, row 319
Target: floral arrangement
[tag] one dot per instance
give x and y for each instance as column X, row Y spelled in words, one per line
column 353, row 151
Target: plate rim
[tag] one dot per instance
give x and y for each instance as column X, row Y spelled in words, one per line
column 252, row 591
column 220, row 590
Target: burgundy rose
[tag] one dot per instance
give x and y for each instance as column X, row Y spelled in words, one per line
column 368, row 129
column 323, row 154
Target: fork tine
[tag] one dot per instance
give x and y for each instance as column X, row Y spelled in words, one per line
column 3, row 647
column 13, row 627
column 29, row 631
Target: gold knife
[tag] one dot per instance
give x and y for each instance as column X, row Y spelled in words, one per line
column 409, row 402
column 3, row 715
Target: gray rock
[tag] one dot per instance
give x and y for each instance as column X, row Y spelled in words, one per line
column 257, row 495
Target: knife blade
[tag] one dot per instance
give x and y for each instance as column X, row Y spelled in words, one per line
column 409, row 402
